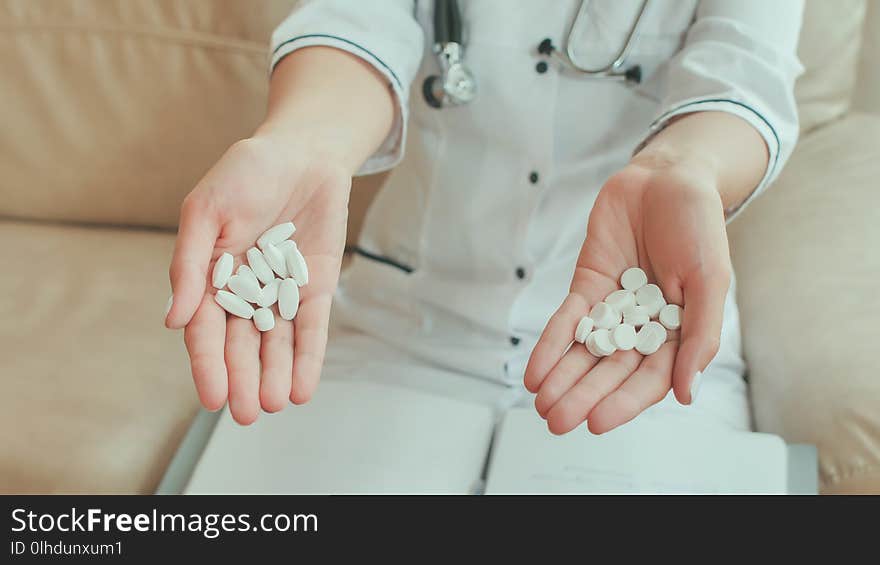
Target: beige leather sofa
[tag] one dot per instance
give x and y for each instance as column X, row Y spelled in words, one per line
column 110, row 110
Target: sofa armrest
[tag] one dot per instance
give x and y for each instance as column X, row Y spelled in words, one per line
column 808, row 267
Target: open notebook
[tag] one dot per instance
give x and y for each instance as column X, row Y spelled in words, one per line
column 358, row 437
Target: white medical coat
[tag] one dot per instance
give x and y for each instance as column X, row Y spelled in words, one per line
column 471, row 245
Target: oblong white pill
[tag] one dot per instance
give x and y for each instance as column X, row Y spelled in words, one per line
column 269, row 294
column 633, row 279
column 584, row 327
column 624, row 337
column 620, row 300
column 259, row 266
column 276, row 234
column 650, row 338
column 222, row 271
column 670, row 316
column 604, row 316
column 245, row 271
column 285, row 245
column 264, row 319
column 288, row 299
column 276, row 260
column 245, row 287
column 637, row 316
column 599, row 343
column 296, row 265
column 234, row 304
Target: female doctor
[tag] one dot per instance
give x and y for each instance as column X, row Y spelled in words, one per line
column 473, row 268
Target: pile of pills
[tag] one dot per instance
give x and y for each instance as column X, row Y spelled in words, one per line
column 275, row 254
column 636, row 316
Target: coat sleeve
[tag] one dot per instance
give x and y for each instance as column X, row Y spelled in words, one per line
column 740, row 57
column 384, row 33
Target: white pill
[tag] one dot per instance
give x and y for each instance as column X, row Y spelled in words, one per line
column 584, row 327
column 650, row 338
column 648, row 295
column 653, row 308
column 245, row 271
column 276, row 235
column 269, row 294
column 264, row 319
column 222, row 271
column 620, row 300
column 259, row 265
column 599, row 343
column 624, row 337
column 296, row 265
column 288, row 299
column 234, row 305
column 633, row 279
column 245, row 287
column 604, row 316
column 670, row 316
column 276, row 260
column 285, row 245
column 636, row 316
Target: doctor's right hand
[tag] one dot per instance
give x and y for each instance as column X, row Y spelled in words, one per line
column 298, row 166
column 257, row 184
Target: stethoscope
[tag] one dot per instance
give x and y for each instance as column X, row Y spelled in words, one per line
column 456, row 85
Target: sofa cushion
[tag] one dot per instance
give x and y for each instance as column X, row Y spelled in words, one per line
column 808, row 267
column 112, row 109
column 829, row 50
column 95, row 393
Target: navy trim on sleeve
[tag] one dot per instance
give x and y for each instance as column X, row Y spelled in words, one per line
column 737, row 103
column 342, row 39
column 357, row 250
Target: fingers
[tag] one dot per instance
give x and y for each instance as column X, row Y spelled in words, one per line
column 605, row 377
column 310, row 344
column 703, row 315
column 576, row 362
column 205, row 336
column 189, row 266
column 243, row 363
column 644, row 388
column 554, row 340
column 276, row 353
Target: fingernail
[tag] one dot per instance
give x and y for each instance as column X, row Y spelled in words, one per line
column 695, row 386
column 169, row 304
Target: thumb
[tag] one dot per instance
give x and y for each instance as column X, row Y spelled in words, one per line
column 703, row 315
column 196, row 238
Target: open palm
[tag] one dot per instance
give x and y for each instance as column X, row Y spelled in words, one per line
column 252, row 188
column 670, row 223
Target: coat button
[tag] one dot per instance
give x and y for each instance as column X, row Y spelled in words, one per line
column 514, row 340
column 533, row 177
column 520, row 273
column 541, row 67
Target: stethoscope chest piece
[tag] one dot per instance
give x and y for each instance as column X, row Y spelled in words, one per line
column 455, row 85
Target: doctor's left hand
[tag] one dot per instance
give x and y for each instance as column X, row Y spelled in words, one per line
column 667, row 218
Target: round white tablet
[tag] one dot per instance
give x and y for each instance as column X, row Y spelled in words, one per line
column 649, row 295
column 599, row 343
column 650, row 338
column 670, row 316
column 620, row 300
column 633, row 279
column 624, row 337
column 604, row 316
column 584, row 327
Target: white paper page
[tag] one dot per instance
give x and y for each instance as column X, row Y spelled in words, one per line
column 652, row 454
column 353, row 437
